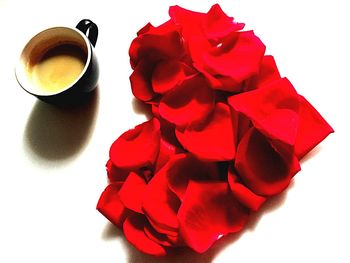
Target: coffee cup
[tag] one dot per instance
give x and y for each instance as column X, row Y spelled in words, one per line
column 59, row 64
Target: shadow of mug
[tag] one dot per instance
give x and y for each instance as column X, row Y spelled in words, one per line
column 59, row 133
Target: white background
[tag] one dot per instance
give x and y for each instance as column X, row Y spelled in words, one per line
column 52, row 161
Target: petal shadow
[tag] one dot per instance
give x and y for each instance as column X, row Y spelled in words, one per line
column 186, row 255
column 140, row 107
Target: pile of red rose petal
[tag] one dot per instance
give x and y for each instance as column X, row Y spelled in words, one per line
column 227, row 133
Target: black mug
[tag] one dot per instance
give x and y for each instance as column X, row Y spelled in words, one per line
column 59, row 64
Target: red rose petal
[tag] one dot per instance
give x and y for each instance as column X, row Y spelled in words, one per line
column 164, row 29
column 281, row 125
column 208, row 212
column 238, row 56
column 215, row 141
column 160, row 205
column 158, row 238
column 166, row 151
column 261, row 167
column 134, row 232
column 218, row 24
column 138, row 147
column 182, row 168
column 243, row 194
column 189, row 21
column 268, row 73
column 140, row 81
column 131, row 193
column 110, row 205
column 244, row 124
column 145, row 29
column 114, row 173
column 168, row 74
column 273, row 109
column 313, row 128
column 158, row 43
column 215, row 24
column 189, row 103
column 162, row 239
column 155, row 110
column 223, row 83
column 167, row 129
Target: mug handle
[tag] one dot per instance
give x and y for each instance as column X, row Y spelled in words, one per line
column 90, row 29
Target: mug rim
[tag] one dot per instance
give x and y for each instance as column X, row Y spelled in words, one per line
column 20, row 69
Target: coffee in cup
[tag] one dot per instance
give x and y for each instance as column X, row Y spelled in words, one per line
column 59, row 63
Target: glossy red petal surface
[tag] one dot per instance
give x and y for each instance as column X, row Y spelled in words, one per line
column 218, row 24
column 138, row 147
column 189, row 103
column 189, row 21
column 243, row 194
column 273, row 109
column 268, row 72
column 140, row 81
column 132, row 191
column 160, row 205
column 133, row 228
column 313, row 128
column 238, row 56
column 159, row 238
column 115, row 174
column 214, row 141
column 182, row 168
column 213, row 25
column 167, row 75
column 261, row 167
column 166, row 151
column 208, row 212
column 155, row 44
column 110, row 205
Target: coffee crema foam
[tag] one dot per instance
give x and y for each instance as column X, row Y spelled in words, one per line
column 58, row 68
